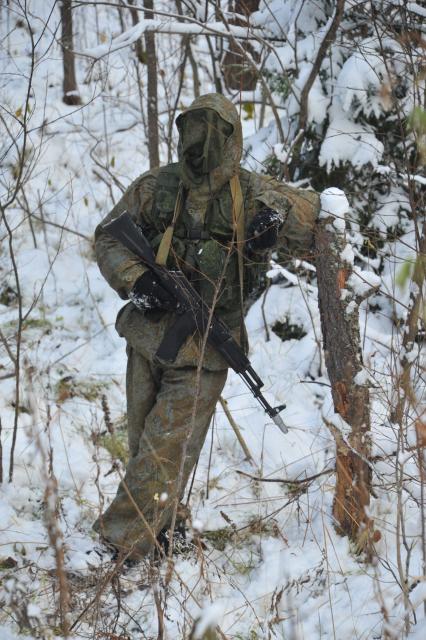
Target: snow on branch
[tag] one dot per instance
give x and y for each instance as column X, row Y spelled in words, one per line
column 334, row 204
column 129, row 37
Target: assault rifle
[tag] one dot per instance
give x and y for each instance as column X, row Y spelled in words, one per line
column 192, row 313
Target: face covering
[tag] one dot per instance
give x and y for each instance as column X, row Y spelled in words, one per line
column 202, row 137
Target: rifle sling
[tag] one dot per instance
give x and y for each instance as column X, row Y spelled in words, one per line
column 238, row 221
column 166, row 240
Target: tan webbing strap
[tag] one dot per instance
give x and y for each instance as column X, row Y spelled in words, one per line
column 238, row 221
column 166, row 241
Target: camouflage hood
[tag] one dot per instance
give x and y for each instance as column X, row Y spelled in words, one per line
column 220, row 156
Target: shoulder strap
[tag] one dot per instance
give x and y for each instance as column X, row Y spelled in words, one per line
column 166, row 240
column 238, row 222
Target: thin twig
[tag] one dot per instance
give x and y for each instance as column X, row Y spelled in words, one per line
column 3, row 339
column 237, row 430
column 287, row 480
column 265, row 324
column 61, row 226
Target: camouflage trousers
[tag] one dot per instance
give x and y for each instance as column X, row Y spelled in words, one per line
column 162, row 422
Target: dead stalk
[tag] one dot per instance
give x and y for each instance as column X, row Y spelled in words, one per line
column 51, row 502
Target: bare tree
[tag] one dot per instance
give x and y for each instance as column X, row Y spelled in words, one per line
column 343, row 358
column 152, row 98
column 71, row 95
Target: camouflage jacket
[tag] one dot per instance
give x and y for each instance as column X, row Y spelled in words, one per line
column 208, row 255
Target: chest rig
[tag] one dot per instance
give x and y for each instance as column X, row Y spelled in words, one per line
column 208, row 245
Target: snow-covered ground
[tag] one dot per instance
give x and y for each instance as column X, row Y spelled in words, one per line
column 269, row 563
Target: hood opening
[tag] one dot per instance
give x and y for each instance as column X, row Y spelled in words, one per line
column 202, row 140
column 210, row 142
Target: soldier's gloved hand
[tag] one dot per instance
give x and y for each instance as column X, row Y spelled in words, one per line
column 263, row 230
column 148, row 293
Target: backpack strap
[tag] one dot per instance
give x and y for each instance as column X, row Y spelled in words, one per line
column 166, row 241
column 238, row 222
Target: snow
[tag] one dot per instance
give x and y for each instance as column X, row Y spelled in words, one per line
column 347, row 255
column 419, row 179
column 211, row 615
column 334, row 203
column 285, row 14
column 356, row 143
column 281, row 152
column 33, row 611
column 7, row 634
column 197, row 525
column 416, row 8
column 361, row 282
column 362, row 377
column 360, row 80
column 390, row 210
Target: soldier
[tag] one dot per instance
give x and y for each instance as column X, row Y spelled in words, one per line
column 224, row 219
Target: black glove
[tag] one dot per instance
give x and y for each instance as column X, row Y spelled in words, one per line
column 148, row 293
column 263, row 230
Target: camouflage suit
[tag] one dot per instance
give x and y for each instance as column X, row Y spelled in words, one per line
column 160, row 396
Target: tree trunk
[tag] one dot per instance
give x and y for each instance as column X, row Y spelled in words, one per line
column 238, row 74
column 343, row 359
column 152, row 106
column 71, row 95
